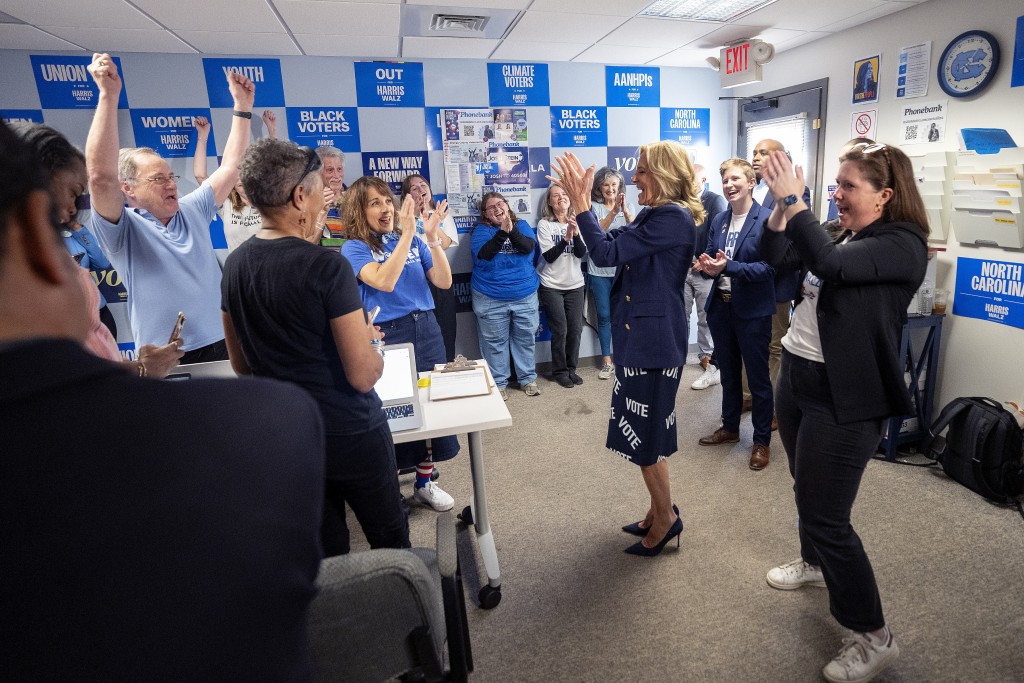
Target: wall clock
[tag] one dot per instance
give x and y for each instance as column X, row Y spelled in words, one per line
column 968, row 64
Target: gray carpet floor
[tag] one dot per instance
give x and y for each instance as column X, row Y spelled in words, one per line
column 950, row 566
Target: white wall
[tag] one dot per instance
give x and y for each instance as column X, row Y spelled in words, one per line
column 977, row 358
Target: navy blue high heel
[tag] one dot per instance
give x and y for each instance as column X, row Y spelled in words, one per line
column 640, row 549
column 638, row 530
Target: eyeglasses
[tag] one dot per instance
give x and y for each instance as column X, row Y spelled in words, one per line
column 313, row 163
column 159, row 179
column 866, row 149
column 494, row 207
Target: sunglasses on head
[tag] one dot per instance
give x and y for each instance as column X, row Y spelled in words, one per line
column 313, row 163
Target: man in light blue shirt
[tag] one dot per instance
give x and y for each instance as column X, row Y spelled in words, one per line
column 160, row 245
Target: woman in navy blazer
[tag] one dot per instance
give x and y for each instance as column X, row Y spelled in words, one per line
column 649, row 324
column 740, row 310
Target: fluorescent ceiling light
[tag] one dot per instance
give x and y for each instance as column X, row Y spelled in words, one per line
column 703, row 10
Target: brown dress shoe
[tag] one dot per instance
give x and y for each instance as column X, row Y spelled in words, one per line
column 759, row 456
column 719, row 436
column 775, row 424
column 748, row 403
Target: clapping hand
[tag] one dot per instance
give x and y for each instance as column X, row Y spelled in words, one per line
column 577, row 181
column 407, row 217
column 432, row 225
column 782, row 177
column 573, row 228
column 713, row 266
column 104, row 72
column 620, row 203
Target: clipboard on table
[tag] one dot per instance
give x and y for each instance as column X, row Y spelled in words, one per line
column 473, row 380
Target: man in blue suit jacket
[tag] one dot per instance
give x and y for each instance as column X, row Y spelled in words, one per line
column 740, row 310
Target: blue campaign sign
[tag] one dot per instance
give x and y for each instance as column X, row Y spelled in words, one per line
column 540, row 167
column 689, row 127
column 990, row 290
column 579, row 126
column 433, row 124
column 26, row 115
column 171, row 132
column 633, row 86
column 111, row 287
column 324, row 127
column 1017, row 73
column 217, row 237
column 623, row 160
column 265, row 74
column 518, row 85
column 508, row 165
column 465, row 224
column 393, row 167
column 389, row 84
column 64, row 82
column 461, row 285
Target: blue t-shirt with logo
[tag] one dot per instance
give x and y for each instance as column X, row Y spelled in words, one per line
column 411, row 292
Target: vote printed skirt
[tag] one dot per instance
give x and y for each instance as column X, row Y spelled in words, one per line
column 642, row 425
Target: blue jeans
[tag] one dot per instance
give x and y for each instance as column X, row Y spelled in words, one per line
column 602, row 289
column 504, row 324
column 827, row 461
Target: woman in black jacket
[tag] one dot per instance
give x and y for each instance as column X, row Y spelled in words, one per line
column 841, row 374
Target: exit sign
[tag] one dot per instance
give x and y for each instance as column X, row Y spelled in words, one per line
column 738, row 66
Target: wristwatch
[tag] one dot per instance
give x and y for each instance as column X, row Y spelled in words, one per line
column 790, row 200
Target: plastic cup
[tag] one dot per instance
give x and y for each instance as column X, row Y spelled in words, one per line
column 939, row 301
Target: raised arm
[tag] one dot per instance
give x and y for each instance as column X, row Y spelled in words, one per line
column 199, row 169
column 384, row 276
column 440, row 275
column 102, row 146
column 243, row 92
column 270, row 121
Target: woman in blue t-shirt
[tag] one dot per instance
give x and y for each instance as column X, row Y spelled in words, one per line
column 399, row 285
column 504, row 285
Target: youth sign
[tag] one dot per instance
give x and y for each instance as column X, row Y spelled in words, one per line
column 389, row 84
column 324, row 127
column 65, row 83
column 171, row 132
column 265, row 74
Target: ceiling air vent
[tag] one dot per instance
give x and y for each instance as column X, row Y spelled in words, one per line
column 458, row 23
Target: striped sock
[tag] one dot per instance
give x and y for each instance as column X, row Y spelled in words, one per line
column 425, row 468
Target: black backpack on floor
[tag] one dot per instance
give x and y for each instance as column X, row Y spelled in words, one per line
column 983, row 450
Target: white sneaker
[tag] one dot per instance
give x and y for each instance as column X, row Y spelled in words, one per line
column 708, row 379
column 795, row 574
column 606, row 372
column 531, row 389
column 433, row 496
column 862, row 658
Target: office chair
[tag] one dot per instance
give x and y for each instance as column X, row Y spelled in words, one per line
column 387, row 614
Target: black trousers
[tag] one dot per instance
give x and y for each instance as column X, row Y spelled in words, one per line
column 564, row 310
column 827, row 461
column 361, row 471
column 445, row 311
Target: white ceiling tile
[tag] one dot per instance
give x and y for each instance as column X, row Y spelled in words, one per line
column 869, row 15
column 91, row 14
column 799, row 15
column 667, row 33
column 802, row 39
column 620, row 54
column 227, row 43
column 117, row 40
column 340, row 18
column 348, row 46
column 527, row 51
column 464, row 9
column 685, row 56
column 732, row 34
column 417, row 47
column 558, row 27
column 204, row 15
column 25, row 37
column 618, row 8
